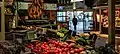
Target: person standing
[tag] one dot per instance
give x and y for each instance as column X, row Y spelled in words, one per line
column 74, row 21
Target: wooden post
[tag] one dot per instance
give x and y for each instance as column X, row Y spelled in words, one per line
column 111, row 21
column 74, row 5
column 100, row 29
column 2, row 33
column 17, row 16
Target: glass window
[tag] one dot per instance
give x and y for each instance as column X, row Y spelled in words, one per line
column 61, row 16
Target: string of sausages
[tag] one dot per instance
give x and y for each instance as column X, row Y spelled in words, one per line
column 35, row 9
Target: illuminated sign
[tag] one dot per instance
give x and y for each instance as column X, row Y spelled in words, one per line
column 76, row 0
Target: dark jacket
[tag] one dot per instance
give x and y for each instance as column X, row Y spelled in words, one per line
column 74, row 21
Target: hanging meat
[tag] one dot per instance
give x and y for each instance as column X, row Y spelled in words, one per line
column 35, row 9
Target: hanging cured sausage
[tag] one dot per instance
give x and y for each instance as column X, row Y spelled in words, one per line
column 35, row 9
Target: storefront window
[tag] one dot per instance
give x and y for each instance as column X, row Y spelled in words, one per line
column 88, row 21
column 61, row 16
column 79, row 17
column 85, row 20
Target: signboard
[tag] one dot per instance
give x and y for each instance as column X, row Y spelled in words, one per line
column 60, row 7
column 23, row 5
column 28, row 0
column 105, row 18
column 76, row 0
column 50, row 6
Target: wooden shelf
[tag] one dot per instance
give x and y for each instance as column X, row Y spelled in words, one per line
column 24, row 1
column 9, row 15
column 36, row 20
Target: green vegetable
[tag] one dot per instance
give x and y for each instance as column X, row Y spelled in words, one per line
column 65, row 38
column 83, row 40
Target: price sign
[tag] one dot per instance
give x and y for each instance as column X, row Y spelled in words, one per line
column 50, row 6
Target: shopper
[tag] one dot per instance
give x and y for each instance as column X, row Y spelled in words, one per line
column 74, row 24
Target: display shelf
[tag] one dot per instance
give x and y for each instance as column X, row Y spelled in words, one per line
column 52, row 30
column 90, row 21
column 24, row 0
column 46, row 25
column 36, row 20
column 8, row 3
column 9, row 15
column 8, row 6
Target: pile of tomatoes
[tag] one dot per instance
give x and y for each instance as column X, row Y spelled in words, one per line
column 54, row 47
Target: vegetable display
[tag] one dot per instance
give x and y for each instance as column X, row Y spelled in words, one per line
column 54, row 47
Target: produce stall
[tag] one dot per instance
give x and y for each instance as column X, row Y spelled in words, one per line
column 46, row 27
column 47, row 41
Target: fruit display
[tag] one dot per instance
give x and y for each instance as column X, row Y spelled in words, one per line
column 52, row 43
column 8, row 11
column 4, row 47
column 55, row 47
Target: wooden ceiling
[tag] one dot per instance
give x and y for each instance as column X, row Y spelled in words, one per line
column 105, row 2
column 95, row 2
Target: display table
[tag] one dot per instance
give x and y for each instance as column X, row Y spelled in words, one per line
column 20, row 31
column 95, row 32
column 16, row 35
column 117, row 38
column 103, row 35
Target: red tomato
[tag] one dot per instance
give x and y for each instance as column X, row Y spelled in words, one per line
column 45, row 52
column 66, row 49
column 48, row 50
column 72, row 51
column 76, row 50
column 64, row 53
column 60, row 50
column 64, row 46
column 69, row 46
column 56, row 51
column 81, row 49
column 56, row 43
column 36, row 51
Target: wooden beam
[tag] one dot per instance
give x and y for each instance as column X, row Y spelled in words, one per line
column 111, row 21
column 2, row 33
